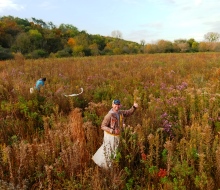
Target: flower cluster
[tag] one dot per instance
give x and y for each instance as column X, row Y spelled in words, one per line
column 167, row 125
column 182, row 86
column 162, row 173
column 143, row 156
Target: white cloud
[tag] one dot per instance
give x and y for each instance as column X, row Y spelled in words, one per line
column 8, row 5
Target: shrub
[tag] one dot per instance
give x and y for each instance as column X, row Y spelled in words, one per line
column 5, row 54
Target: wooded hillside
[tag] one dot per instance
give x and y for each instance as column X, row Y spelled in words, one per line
column 35, row 38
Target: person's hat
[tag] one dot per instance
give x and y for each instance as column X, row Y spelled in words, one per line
column 117, row 102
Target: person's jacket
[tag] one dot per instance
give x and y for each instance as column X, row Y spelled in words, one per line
column 39, row 83
column 114, row 120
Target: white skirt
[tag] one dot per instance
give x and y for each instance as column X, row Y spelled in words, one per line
column 107, row 151
column 31, row 90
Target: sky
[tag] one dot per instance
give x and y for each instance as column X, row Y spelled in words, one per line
column 136, row 20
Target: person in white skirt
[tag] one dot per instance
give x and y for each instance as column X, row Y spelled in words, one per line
column 111, row 124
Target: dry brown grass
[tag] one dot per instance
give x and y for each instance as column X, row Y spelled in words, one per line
column 171, row 142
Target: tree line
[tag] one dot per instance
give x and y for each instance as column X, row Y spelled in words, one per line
column 210, row 44
column 35, row 38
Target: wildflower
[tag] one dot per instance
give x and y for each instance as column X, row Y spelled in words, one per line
column 162, row 173
column 143, row 156
column 182, row 86
column 164, row 115
column 163, row 86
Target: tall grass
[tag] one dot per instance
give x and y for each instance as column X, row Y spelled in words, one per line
column 171, row 142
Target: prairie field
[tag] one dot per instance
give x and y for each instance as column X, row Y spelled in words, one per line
column 171, row 142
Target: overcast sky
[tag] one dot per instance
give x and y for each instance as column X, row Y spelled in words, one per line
column 137, row 20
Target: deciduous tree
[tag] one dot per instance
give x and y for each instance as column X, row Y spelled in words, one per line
column 116, row 34
column 164, row 46
column 212, row 36
column 36, row 39
column 22, row 43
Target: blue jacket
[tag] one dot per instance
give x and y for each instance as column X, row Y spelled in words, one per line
column 39, row 83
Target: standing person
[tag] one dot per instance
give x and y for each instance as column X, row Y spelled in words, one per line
column 40, row 82
column 112, row 125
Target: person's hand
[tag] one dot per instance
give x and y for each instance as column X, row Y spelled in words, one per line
column 135, row 105
column 117, row 131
